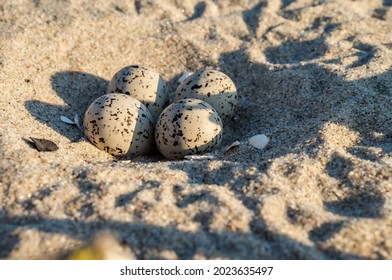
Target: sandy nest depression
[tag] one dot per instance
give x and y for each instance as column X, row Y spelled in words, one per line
column 313, row 75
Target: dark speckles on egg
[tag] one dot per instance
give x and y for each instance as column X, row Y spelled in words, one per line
column 186, row 127
column 119, row 135
column 212, row 86
column 144, row 84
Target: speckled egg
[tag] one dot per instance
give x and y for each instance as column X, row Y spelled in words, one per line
column 120, row 125
column 212, row 86
column 189, row 126
column 144, row 84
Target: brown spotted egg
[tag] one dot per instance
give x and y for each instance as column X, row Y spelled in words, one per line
column 144, row 84
column 120, row 125
column 189, row 126
column 212, row 86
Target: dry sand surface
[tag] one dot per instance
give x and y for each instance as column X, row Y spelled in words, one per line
column 314, row 76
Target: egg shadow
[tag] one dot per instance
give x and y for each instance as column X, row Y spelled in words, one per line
column 77, row 90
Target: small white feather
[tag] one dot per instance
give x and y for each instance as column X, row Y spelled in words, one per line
column 259, row 141
column 184, row 76
column 233, row 145
column 67, row 120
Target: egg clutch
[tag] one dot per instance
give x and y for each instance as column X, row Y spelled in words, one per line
column 133, row 117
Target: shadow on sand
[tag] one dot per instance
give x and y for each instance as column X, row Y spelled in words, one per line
column 77, row 90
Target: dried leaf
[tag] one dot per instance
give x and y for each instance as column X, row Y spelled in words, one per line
column 44, row 145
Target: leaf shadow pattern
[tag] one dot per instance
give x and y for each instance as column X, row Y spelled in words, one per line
column 365, row 53
column 274, row 243
column 142, row 237
column 258, row 243
column 77, row 90
column 124, row 199
column 82, row 206
column 309, row 105
column 207, row 201
column 199, row 10
column 251, row 17
column 201, row 195
column 309, row 50
column 286, row 3
column 8, row 240
column 365, row 202
column 295, row 51
column 380, row 13
column 325, row 231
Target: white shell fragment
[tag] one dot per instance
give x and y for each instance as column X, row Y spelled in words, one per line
column 259, row 141
column 233, row 145
column 66, row 120
column 200, row 157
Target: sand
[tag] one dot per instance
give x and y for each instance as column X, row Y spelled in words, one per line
column 314, row 76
